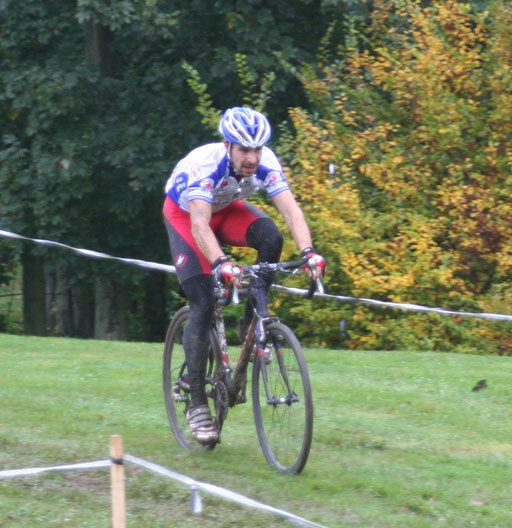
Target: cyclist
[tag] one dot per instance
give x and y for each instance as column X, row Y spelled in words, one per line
column 205, row 208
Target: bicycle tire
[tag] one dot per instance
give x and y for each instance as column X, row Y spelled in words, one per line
column 284, row 427
column 176, row 395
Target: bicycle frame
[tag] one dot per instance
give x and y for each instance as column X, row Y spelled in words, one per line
column 280, row 387
column 257, row 291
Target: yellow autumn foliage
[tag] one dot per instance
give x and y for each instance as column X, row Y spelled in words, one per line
column 417, row 121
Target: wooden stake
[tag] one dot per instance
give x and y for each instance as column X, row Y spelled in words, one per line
column 117, row 482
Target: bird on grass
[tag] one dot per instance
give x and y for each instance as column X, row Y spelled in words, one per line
column 482, row 384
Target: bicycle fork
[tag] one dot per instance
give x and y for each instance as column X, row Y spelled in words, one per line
column 271, row 399
column 235, row 382
column 262, row 318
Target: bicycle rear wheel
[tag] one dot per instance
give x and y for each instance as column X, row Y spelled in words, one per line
column 282, row 401
column 175, row 386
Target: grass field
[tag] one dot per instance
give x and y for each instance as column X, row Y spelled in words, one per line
column 400, row 440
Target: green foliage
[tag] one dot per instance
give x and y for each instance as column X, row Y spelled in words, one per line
column 147, row 15
column 95, row 110
column 253, row 96
column 210, row 116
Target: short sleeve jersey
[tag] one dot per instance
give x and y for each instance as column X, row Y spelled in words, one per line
column 206, row 173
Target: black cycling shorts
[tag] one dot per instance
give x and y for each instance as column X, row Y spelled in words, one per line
column 229, row 225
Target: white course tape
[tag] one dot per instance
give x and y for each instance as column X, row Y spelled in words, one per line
column 403, row 306
column 221, row 492
column 160, row 470
column 183, row 479
column 92, row 254
column 293, row 291
column 11, row 473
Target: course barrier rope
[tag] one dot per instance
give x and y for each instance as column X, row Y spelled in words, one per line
column 293, row 291
column 402, row 306
column 28, row 472
column 195, row 486
column 90, row 253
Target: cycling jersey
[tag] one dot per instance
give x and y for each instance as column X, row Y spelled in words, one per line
column 206, row 173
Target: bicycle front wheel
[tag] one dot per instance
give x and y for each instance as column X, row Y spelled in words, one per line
column 282, row 401
column 174, row 373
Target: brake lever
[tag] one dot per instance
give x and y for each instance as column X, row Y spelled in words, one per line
column 316, row 286
column 236, row 298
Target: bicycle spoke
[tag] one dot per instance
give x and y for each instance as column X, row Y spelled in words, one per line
column 282, row 403
column 175, row 385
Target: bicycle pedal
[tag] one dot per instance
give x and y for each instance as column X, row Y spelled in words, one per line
column 241, row 398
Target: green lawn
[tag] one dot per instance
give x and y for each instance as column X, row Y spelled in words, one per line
column 400, row 440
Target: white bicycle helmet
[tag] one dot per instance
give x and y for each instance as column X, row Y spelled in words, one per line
column 245, row 126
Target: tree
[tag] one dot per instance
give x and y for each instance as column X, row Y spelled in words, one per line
column 416, row 117
column 95, row 110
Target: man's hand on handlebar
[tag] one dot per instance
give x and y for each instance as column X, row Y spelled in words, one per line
column 314, row 264
column 226, row 272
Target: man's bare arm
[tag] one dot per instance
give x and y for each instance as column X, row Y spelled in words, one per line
column 200, row 215
column 294, row 218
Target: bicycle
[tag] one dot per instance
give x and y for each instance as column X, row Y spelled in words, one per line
column 281, row 389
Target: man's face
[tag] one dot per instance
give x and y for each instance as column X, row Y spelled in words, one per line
column 245, row 160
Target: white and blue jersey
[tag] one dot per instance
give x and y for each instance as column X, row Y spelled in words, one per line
column 206, row 174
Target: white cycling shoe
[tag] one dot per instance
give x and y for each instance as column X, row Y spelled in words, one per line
column 202, row 427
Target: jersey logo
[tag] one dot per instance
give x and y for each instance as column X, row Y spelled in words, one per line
column 180, row 260
column 207, row 184
column 273, row 178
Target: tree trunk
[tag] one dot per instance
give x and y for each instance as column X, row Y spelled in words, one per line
column 111, row 310
column 155, row 308
column 82, row 299
column 101, row 308
column 97, row 40
column 110, row 318
column 34, row 294
column 70, row 309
